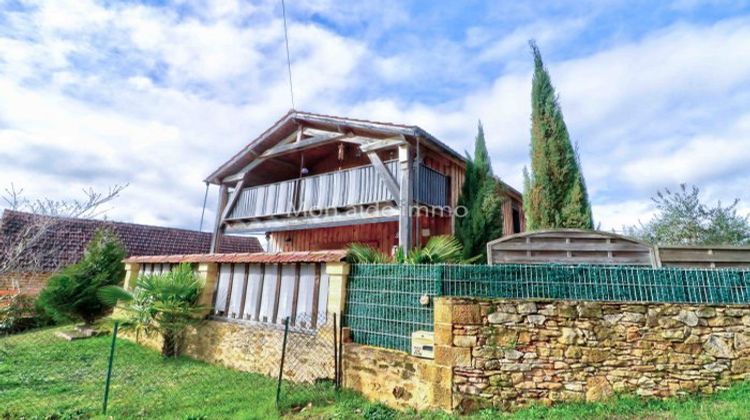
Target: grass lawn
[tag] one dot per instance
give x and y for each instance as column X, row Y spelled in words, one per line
column 45, row 377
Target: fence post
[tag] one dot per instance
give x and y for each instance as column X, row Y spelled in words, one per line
column 341, row 353
column 109, row 367
column 336, row 367
column 281, row 365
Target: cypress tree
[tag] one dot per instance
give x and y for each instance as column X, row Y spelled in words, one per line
column 481, row 196
column 555, row 191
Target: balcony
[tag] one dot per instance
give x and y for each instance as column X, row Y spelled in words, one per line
column 345, row 189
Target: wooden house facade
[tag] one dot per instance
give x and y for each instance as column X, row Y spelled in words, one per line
column 316, row 182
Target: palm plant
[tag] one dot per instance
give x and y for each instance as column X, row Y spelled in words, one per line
column 165, row 304
column 438, row 250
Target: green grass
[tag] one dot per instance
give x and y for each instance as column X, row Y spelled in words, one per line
column 41, row 376
column 45, row 377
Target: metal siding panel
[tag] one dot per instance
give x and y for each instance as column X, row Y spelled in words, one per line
column 323, row 297
column 238, row 286
column 269, row 293
column 253, row 290
column 286, row 293
column 306, row 292
column 223, row 287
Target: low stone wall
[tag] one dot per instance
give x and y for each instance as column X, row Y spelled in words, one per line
column 508, row 353
column 396, row 378
column 255, row 348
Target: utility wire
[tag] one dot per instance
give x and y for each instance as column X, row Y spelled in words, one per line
column 288, row 59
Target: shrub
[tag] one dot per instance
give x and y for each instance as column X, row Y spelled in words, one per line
column 165, row 304
column 438, row 250
column 71, row 295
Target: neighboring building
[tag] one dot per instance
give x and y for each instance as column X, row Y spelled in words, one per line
column 64, row 240
column 317, row 182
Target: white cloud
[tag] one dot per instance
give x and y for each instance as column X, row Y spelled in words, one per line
column 95, row 95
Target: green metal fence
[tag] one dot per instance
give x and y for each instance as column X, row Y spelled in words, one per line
column 383, row 302
column 384, row 308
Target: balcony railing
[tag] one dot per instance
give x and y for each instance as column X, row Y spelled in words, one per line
column 341, row 189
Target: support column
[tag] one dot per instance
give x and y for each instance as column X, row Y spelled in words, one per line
column 209, row 272
column 405, row 198
column 131, row 274
column 218, row 228
column 338, row 275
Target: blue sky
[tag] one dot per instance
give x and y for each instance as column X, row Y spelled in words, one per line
column 159, row 93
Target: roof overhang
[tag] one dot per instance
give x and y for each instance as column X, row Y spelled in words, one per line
column 294, row 120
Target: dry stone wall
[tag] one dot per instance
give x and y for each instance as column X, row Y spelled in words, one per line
column 256, row 348
column 508, row 353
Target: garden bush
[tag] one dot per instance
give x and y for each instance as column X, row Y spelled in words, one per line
column 71, row 295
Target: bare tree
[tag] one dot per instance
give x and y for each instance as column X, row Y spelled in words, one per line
column 22, row 246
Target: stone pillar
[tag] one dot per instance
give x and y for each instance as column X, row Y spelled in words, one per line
column 209, row 272
column 338, row 274
column 446, row 356
column 131, row 274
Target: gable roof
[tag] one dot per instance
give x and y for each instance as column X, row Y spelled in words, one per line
column 65, row 239
column 290, row 122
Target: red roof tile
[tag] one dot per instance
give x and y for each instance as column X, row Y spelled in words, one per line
column 65, row 239
column 258, row 257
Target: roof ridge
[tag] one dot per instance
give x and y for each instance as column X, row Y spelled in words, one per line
column 96, row 221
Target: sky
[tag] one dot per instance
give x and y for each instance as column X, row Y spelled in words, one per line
column 157, row 94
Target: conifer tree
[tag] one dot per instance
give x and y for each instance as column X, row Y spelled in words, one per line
column 482, row 199
column 555, row 193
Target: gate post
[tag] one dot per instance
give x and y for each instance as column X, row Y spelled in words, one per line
column 338, row 275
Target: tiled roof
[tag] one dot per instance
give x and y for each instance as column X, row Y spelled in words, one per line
column 259, row 257
column 65, row 240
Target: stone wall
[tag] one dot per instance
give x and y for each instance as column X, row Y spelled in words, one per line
column 508, row 353
column 396, row 378
column 256, row 348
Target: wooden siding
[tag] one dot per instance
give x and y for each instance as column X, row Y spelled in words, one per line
column 568, row 246
column 380, row 235
column 704, row 256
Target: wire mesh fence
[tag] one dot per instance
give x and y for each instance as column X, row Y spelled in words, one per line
column 386, row 303
column 310, row 364
column 45, row 376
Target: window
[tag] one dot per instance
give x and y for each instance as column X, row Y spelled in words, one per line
column 516, row 220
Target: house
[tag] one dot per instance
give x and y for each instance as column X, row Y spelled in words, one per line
column 320, row 182
column 61, row 241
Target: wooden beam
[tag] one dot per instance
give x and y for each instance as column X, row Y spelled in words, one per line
column 222, row 202
column 405, row 198
column 374, row 145
column 385, row 175
column 302, row 145
column 232, row 200
column 283, row 149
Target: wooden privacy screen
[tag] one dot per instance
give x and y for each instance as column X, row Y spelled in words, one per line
column 269, row 293
column 704, row 256
column 569, row 246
